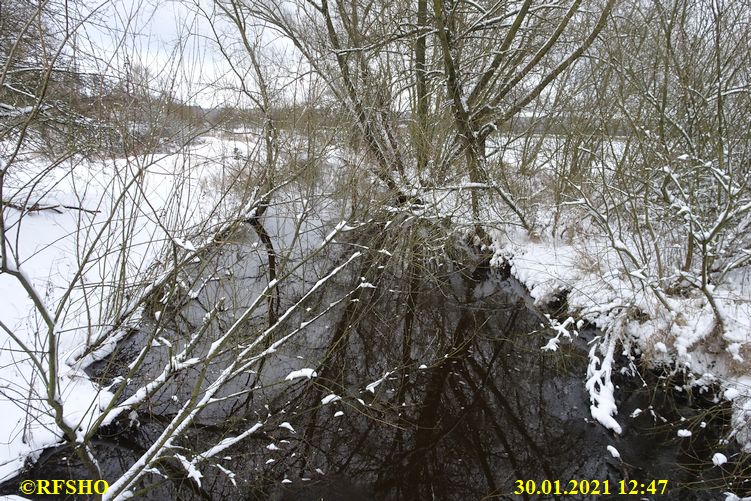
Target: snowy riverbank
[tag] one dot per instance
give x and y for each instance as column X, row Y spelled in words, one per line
column 591, row 277
column 86, row 236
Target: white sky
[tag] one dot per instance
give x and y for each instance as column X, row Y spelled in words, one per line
column 172, row 39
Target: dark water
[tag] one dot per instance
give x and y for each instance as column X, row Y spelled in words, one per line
column 467, row 405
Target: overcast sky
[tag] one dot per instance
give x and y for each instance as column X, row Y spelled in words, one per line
column 173, row 40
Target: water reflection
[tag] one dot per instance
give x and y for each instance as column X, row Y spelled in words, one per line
column 440, row 391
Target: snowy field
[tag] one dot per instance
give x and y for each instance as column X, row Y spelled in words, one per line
column 93, row 231
column 88, row 237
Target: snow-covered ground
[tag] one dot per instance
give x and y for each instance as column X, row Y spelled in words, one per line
column 104, row 226
column 590, row 274
column 95, row 229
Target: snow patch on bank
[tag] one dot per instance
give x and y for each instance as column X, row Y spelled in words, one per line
column 623, row 304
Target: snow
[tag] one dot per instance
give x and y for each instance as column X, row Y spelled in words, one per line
column 14, row 111
column 599, row 288
column 552, row 345
column 185, row 244
column 623, row 304
column 561, row 329
column 164, row 194
column 719, row 459
column 301, row 373
column 729, row 496
column 191, row 469
column 231, row 475
column 731, row 393
column 225, row 444
column 544, row 270
column 372, row 386
column 600, row 386
column 330, row 398
column 614, row 452
column 287, row 426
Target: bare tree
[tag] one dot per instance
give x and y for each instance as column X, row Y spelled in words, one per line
column 673, row 193
column 452, row 74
